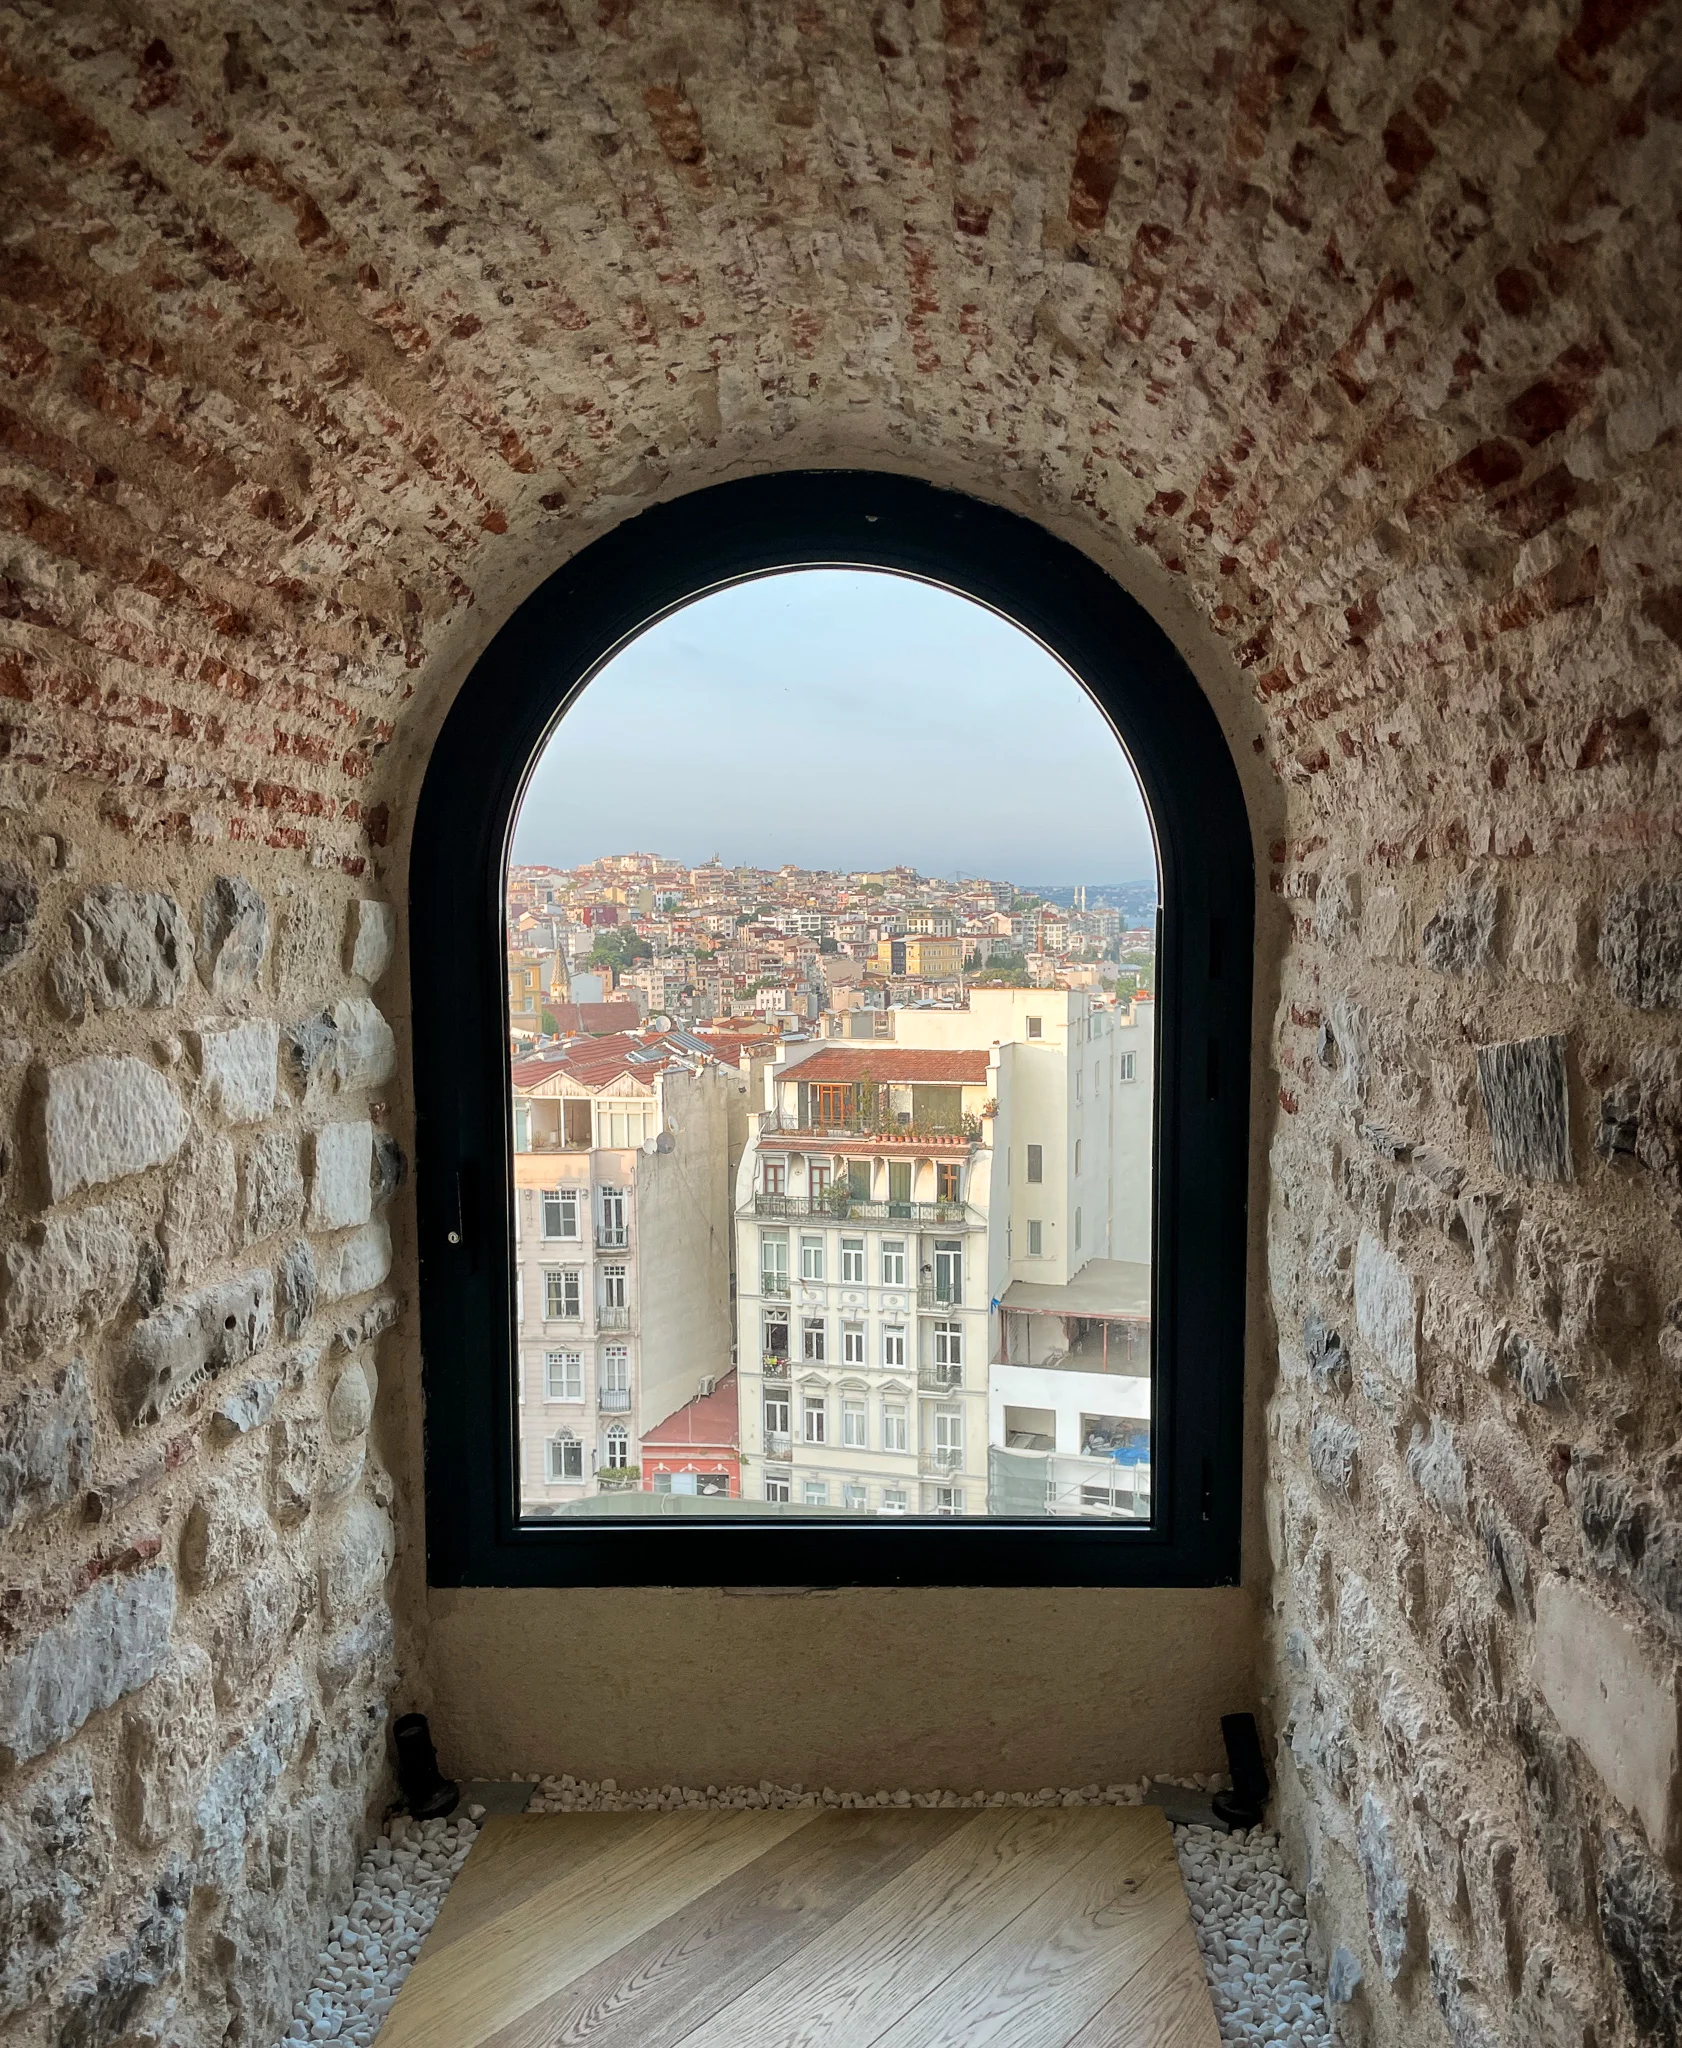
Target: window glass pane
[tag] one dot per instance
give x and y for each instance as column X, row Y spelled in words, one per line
column 785, row 1085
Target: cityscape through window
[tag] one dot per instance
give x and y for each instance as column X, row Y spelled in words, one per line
column 831, row 944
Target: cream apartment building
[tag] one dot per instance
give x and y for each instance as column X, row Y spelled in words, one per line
column 622, row 1228
column 911, row 1215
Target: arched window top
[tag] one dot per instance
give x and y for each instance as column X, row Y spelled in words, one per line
column 871, row 1211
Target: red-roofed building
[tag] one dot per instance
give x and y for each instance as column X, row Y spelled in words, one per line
column 697, row 1449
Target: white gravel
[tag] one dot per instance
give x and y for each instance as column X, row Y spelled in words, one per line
column 1250, row 1923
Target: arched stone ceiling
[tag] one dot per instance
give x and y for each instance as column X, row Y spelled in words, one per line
column 1361, row 320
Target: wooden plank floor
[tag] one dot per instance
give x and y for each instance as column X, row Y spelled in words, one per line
column 1036, row 1928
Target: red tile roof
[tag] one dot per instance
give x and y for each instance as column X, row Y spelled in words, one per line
column 885, row 1063
column 595, row 1020
column 707, row 1420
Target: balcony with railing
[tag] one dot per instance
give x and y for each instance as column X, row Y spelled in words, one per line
column 846, row 1208
column 614, row 1400
column 940, row 1293
column 779, row 1444
column 940, row 1379
column 613, row 1318
column 613, row 1237
column 940, row 1458
column 774, row 1366
column 871, row 1127
column 774, row 1286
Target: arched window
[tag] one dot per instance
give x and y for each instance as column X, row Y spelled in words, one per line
column 983, row 1164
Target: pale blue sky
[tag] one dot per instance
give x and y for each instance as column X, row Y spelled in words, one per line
column 840, row 718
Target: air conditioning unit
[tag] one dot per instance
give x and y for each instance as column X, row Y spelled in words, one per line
column 708, row 1385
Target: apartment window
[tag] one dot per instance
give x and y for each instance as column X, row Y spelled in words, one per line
column 614, row 1284
column 1078, row 1078
column 949, row 1271
column 772, row 1173
column 1096, row 1083
column 773, row 1262
column 613, row 1216
column 811, row 1258
column 817, row 1179
column 562, row 1293
column 893, row 1500
column 949, row 1344
column 616, row 1369
column 814, row 1419
column 1128, row 1070
column 776, row 1489
column 858, row 1179
column 776, row 1415
column 855, row 1497
column 893, row 1346
column 814, row 1493
column 560, row 1212
column 852, row 1262
column 854, row 1433
column 949, row 1437
column 1036, row 1239
column 1077, row 1159
column 563, row 1376
column 946, row 1181
column 949, row 1500
column 893, row 1262
column 566, row 1459
column 1036, row 1027
column 618, row 1453
column 852, row 1343
column 1077, row 1229
column 832, row 1104
column 775, row 1326
column 894, row 1436
column 812, row 1346
column 733, row 541
column 1036, row 1163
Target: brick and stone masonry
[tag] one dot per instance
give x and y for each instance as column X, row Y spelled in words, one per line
column 1344, row 335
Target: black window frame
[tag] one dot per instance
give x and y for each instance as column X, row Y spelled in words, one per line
column 522, row 684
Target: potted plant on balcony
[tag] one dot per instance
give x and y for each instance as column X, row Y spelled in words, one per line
column 618, row 1478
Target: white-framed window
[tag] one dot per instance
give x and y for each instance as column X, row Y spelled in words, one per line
column 1036, row 1027
column 852, row 1262
column 1036, row 1163
column 948, row 1343
column 814, row 1419
column 1129, row 1068
column 614, row 1286
column 817, row 1178
column 949, row 1271
column 855, row 1497
column 814, row 1493
column 566, row 1458
column 616, row 1369
column 893, row 1345
column 811, row 1258
column 776, row 1489
column 949, row 1500
column 618, row 1451
column 949, row 1436
column 893, row 1426
column 893, row 1500
column 776, row 1415
column 854, row 1430
column 772, row 1176
column 613, row 1216
column 773, row 1262
column 1077, row 1229
column 852, row 1343
column 563, row 1376
column 893, row 1262
column 560, row 1212
column 562, row 1294
column 1036, row 1240
column 813, row 1344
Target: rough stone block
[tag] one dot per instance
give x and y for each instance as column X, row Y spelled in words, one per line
column 1460, row 937
column 1491, row 1220
column 220, row 1327
column 256, row 1620
column 1553, row 2010
column 1387, row 1309
column 169, row 1731
column 1525, row 1104
column 233, row 936
column 245, row 1409
column 361, row 1262
column 111, row 2005
column 370, row 934
column 1387, row 927
column 307, row 942
column 1491, row 1860
column 52, row 1864
column 341, row 1184
column 67, row 1279
column 239, row 1065
column 340, row 1050
column 1641, row 1924
column 226, row 1532
column 1555, row 1805
column 298, row 1287
column 391, row 1168
column 1334, row 1450
column 20, row 902
column 1553, row 937
column 295, row 1463
column 1437, row 1469
column 1337, row 910
column 114, row 1638
column 1465, row 2014
column 1641, row 944
column 46, row 1444
column 360, row 1655
column 350, row 1406
column 240, row 1785
column 1328, row 1362
column 122, row 951
column 1534, row 1369
column 1641, row 1118
column 355, row 1560
column 106, row 1117
column 198, row 1218
column 1616, row 1700
column 271, row 1187
column 1390, row 1907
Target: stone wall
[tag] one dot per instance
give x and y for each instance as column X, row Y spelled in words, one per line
column 195, row 1641
column 1345, row 336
